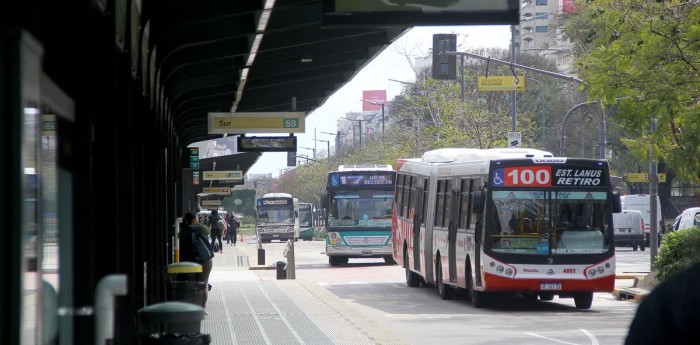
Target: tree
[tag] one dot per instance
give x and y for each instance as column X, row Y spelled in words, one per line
column 644, row 56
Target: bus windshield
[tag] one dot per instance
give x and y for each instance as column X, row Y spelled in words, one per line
column 549, row 222
column 305, row 215
column 360, row 209
column 275, row 215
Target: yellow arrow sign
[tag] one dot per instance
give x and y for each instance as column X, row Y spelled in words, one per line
column 637, row 177
column 501, row 83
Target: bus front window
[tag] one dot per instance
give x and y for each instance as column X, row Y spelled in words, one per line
column 544, row 223
column 361, row 209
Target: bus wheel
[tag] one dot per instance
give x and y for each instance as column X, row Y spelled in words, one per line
column 641, row 247
column 530, row 296
column 478, row 298
column 634, row 247
column 444, row 290
column 546, row 296
column 333, row 260
column 389, row 260
column 583, row 300
column 412, row 278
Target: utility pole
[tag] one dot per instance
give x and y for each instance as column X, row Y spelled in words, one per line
column 512, row 61
column 653, row 184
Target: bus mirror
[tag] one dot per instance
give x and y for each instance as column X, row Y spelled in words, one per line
column 617, row 203
column 478, row 201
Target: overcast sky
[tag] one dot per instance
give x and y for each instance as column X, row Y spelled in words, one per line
column 390, row 64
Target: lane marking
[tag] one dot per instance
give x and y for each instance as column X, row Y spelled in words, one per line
column 594, row 340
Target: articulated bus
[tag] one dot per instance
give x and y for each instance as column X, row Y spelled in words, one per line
column 359, row 200
column 306, row 221
column 277, row 217
column 479, row 222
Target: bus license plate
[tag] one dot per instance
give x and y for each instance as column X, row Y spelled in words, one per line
column 366, row 252
column 550, row 286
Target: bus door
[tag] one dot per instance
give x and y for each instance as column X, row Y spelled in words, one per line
column 479, row 202
column 452, row 235
column 417, row 219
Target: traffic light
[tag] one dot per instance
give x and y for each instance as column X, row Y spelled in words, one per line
column 444, row 66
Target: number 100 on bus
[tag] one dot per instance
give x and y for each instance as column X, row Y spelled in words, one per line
column 523, row 176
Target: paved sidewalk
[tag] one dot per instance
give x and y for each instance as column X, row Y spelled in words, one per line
column 247, row 310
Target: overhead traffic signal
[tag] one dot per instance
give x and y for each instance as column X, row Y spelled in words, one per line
column 444, row 66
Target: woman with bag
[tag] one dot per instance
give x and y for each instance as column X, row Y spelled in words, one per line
column 195, row 247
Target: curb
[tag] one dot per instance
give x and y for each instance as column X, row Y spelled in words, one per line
column 630, row 294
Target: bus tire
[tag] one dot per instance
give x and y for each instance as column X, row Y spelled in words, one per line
column 412, row 279
column 333, row 260
column 546, row 296
column 478, row 299
column 389, row 260
column 634, row 247
column 583, row 300
column 445, row 291
column 642, row 248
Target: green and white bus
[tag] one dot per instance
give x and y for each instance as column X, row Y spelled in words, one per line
column 359, row 200
column 306, row 221
column 277, row 217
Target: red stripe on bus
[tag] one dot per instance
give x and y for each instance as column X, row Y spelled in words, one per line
column 497, row 283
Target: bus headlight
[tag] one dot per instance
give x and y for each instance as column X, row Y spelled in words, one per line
column 600, row 269
column 509, row 271
column 334, row 238
column 499, row 269
column 591, row 272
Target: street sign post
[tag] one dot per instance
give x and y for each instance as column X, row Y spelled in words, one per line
column 500, row 83
column 514, row 139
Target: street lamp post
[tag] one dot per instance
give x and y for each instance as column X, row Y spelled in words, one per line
column 337, row 139
column 353, row 132
column 328, row 145
column 313, row 150
column 381, row 104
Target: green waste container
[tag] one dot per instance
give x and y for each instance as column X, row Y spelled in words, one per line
column 188, row 291
column 171, row 323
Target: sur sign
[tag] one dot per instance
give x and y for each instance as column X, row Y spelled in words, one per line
column 223, row 175
column 243, row 123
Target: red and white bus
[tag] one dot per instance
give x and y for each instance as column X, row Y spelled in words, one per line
column 476, row 222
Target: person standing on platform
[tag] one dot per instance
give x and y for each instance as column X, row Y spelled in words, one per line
column 216, row 230
column 194, row 247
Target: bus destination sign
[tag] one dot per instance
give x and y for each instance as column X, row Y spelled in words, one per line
column 547, row 176
column 273, row 202
column 364, row 180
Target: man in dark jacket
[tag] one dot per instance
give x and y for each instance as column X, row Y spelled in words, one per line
column 216, row 230
column 669, row 314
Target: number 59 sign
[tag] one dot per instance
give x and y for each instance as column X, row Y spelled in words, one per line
column 524, row 176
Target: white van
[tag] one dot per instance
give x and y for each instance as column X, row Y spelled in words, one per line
column 689, row 217
column 629, row 229
column 640, row 202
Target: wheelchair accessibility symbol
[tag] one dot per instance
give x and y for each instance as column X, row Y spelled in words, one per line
column 497, row 180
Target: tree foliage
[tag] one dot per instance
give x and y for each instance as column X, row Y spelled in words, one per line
column 644, row 56
column 680, row 250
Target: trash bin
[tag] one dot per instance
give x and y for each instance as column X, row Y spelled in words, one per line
column 281, row 271
column 171, row 323
column 181, row 289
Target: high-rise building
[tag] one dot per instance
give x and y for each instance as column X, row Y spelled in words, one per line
column 540, row 31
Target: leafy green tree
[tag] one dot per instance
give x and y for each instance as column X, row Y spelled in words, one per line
column 644, row 56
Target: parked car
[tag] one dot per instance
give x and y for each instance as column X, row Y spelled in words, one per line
column 629, row 229
column 689, row 217
column 641, row 202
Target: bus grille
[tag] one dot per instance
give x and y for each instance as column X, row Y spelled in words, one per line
column 365, row 240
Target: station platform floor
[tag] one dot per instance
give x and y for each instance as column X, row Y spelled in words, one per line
column 246, row 309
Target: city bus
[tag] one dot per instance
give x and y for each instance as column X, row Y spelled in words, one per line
column 306, row 221
column 359, row 200
column 277, row 217
column 475, row 222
